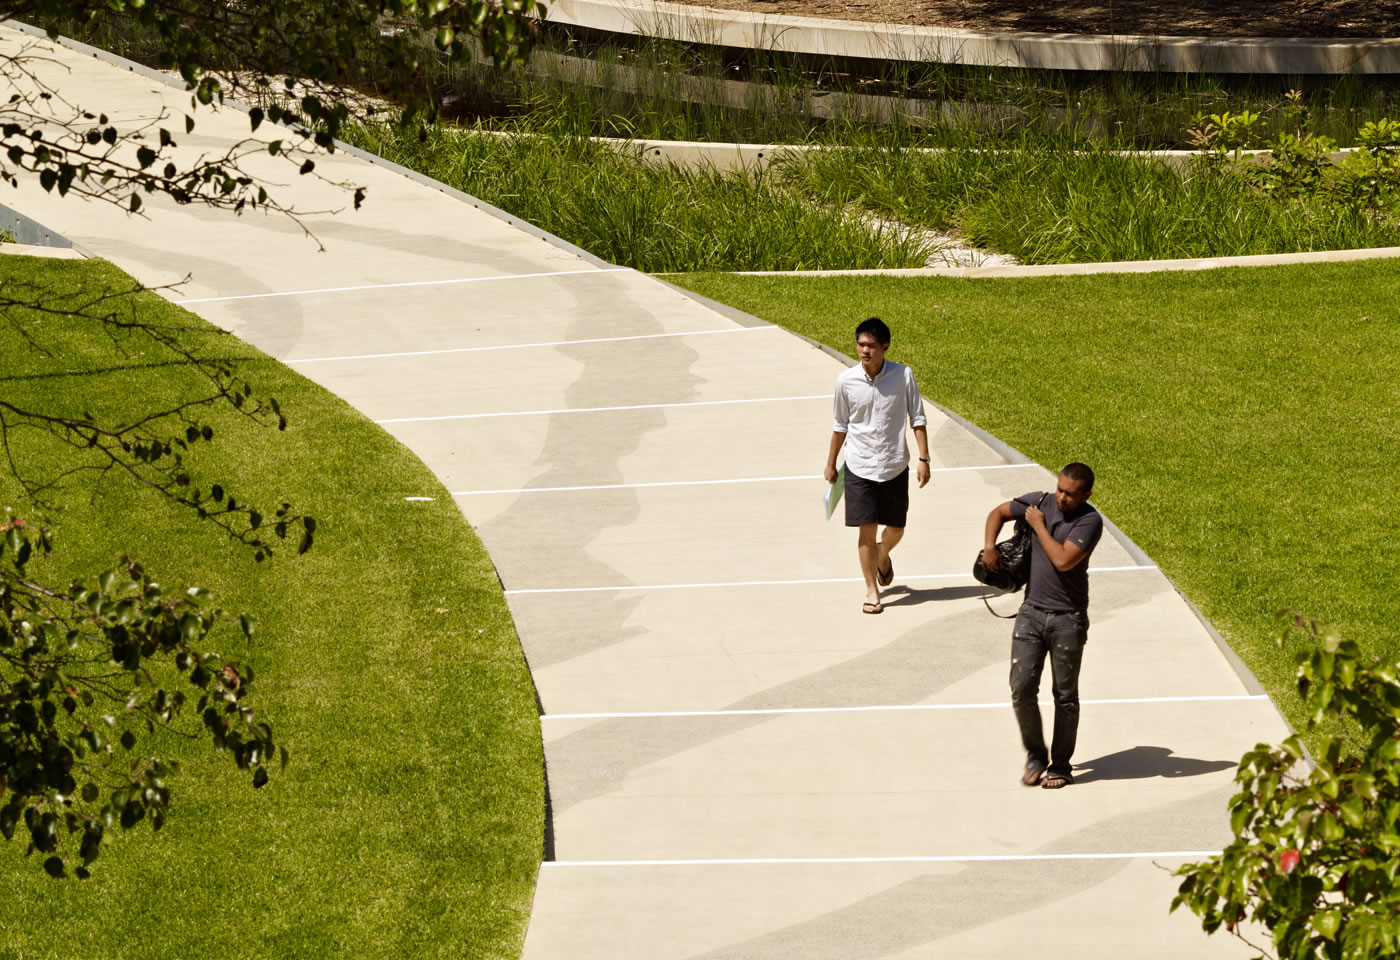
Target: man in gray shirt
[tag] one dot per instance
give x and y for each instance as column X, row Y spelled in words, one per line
column 873, row 400
column 1054, row 618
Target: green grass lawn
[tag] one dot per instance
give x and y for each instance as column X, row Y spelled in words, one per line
column 1243, row 422
column 410, row 820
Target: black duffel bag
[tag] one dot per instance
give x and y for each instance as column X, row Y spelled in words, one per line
column 1015, row 558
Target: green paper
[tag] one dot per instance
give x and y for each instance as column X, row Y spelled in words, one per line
column 833, row 495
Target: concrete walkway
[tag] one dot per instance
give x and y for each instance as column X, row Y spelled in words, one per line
column 740, row 764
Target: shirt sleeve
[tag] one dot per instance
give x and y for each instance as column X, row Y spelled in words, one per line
column 1086, row 531
column 840, row 410
column 916, row 402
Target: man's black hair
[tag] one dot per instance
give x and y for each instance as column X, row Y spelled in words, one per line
column 1079, row 473
column 876, row 328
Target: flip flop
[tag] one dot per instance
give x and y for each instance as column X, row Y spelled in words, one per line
column 885, row 578
column 1031, row 776
column 872, row 608
column 1055, row 781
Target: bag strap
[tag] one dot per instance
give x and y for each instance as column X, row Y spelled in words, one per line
column 1003, row 616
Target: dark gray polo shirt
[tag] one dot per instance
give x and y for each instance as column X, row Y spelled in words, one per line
column 1060, row 589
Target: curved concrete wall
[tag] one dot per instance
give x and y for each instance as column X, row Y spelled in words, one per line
column 844, row 38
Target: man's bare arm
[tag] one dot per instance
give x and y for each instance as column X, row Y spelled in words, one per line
column 837, row 438
column 921, row 439
column 995, row 521
column 1063, row 555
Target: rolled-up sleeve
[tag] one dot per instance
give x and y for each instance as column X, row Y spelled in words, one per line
column 916, row 402
column 840, row 410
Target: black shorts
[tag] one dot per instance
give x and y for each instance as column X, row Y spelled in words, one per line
column 875, row 501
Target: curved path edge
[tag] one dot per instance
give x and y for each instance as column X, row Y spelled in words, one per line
column 980, row 48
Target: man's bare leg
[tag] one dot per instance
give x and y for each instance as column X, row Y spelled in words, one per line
column 888, row 541
column 869, row 552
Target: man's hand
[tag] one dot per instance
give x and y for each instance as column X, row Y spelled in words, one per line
column 991, row 558
column 830, row 474
column 1036, row 518
column 923, row 474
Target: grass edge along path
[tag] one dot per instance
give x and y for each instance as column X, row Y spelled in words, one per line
column 1240, row 420
column 410, row 821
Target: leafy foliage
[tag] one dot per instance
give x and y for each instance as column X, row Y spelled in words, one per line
column 91, row 677
column 1301, row 166
column 1316, row 853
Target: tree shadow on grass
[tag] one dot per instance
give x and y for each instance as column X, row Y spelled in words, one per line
column 1140, row 763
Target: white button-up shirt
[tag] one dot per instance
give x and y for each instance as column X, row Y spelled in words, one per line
column 871, row 413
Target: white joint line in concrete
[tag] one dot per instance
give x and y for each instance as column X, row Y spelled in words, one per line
column 777, row 583
column 406, row 283
column 522, row 346
column 704, row 483
column 892, row 708
column 635, row 406
column 950, row 858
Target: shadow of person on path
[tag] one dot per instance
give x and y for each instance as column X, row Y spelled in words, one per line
column 902, row 596
column 1140, row 763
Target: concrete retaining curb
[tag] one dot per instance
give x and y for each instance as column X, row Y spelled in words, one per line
column 1080, row 269
column 873, row 41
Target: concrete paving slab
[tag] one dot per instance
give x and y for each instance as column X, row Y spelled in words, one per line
column 869, row 911
column 567, row 304
column 810, row 647
column 883, row 784
column 656, row 445
column 658, row 536
column 701, row 369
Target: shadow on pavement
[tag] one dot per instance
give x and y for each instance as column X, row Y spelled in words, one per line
column 903, row 596
column 1140, row 763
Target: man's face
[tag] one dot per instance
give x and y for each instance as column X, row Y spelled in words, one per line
column 870, row 350
column 1070, row 494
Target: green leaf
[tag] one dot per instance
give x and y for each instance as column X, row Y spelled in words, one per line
column 1327, row 922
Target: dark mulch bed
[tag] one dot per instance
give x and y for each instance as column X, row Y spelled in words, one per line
column 1198, row 18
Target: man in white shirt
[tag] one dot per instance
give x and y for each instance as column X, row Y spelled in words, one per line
column 873, row 400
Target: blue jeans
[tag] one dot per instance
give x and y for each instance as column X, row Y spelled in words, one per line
column 1062, row 636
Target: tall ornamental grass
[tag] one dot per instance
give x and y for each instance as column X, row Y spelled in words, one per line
column 656, row 219
column 1046, row 204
